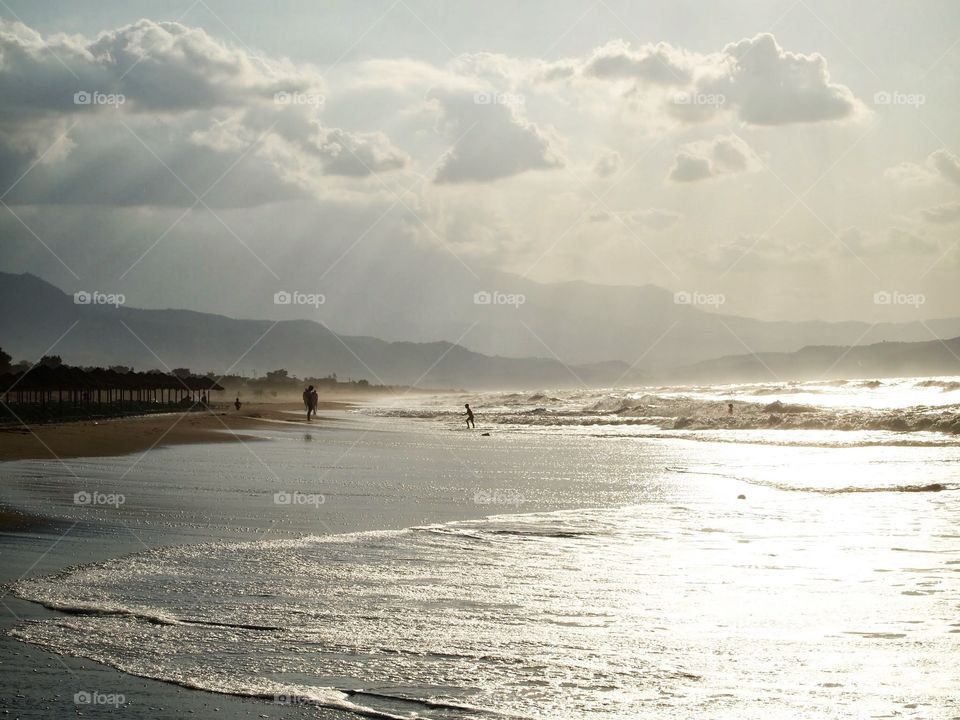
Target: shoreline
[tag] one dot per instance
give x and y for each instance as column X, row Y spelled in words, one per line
column 40, row 543
column 117, row 436
column 42, row 683
column 375, row 474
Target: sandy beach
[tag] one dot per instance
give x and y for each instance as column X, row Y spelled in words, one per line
column 33, row 543
column 47, row 535
column 382, row 565
column 120, row 436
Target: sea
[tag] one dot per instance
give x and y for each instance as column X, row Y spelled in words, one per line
column 772, row 550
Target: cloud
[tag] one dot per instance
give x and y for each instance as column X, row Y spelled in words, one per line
column 492, row 140
column 558, row 71
column 156, row 66
column 771, row 86
column 661, row 64
column 357, row 154
column 940, row 165
column 654, row 218
column 155, row 110
column 908, row 173
column 942, row 214
column 896, row 241
column 946, row 164
column 690, row 168
column 722, row 156
column 295, row 141
column 754, row 78
column 649, row 218
column 752, row 252
column 607, row 165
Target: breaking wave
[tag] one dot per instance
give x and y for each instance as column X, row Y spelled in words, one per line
column 905, row 411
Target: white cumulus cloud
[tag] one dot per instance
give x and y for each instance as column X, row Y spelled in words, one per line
column 722, row 156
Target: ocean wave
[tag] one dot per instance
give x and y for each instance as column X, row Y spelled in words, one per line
column 95, row 609
column 786, row 440
column 931, row 488
column 778, row 406
column 689, row 413
column 945, row 385
column 403, row 630
column 821, row 490
column 895, row 405
column 790, row 419
column 430, row 703
column 786, row 390
column 557, row 610
column 848, row 490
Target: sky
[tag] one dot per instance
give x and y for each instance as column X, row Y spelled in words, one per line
column 797, row 159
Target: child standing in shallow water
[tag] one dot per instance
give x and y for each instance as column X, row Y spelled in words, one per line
column 470, row 422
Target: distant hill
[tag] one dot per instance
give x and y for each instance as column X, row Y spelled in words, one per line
column 583, row 322
column 884, row 359
column 37, row 317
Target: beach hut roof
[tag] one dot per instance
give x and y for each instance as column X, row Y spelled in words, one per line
column 42, row 377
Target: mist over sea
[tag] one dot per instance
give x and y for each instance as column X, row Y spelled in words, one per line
column 581, row 554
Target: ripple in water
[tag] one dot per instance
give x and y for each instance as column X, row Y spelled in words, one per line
column 650, row 611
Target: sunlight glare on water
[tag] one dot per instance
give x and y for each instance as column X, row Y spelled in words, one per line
column 830, row 589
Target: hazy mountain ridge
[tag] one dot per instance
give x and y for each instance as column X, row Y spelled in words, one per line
column 883, row 359
column 35, row 314
column 581, row 322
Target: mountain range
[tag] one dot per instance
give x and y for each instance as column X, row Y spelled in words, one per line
column 646, row 326
column 672, row 341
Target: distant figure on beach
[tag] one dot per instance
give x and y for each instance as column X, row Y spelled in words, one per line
column 470, row 422
column 310, row 398
column 236, row 404
column 203, row 399
column 729, row 408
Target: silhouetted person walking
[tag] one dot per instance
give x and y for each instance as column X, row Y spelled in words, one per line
column 236, row 404
column 470, row 422
column 310, row 401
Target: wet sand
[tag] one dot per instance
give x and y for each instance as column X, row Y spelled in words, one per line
column 121, row 436
column 378, row 473
column 13, row 520
column 39, row 684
